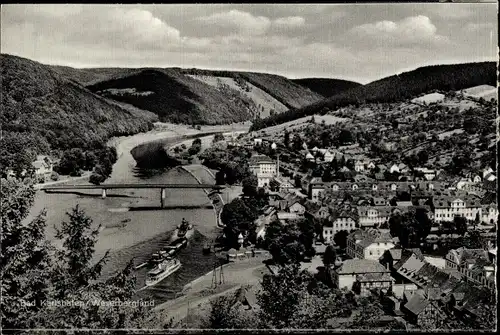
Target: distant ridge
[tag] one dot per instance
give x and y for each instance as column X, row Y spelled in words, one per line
column 326, row 86
column 396, row 88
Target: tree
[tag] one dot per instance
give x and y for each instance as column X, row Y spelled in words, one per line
column 33, row 272
column 283, row 243
column 250, row 185
column 219, row 178
column 238, row 217
column 329, row 258
column 280, row 296
column 474, row 240
column 460, row 224
column 218, row 137
column 222, row 314
column 286, row 138
column 340, row 239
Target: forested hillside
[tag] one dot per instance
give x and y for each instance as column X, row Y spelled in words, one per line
column 397, row 88
column 44, row 113
column 177, row 98
column 326, row 86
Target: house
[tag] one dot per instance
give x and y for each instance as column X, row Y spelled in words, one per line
column 378, row 201
column 310, row 157
column 374, row 216
column 423, row 309
column 489, row 214
column 328, row 156
column 403, row 168
column 369, row 244
column 447, row 207
column 404, row 203
column 394, row 169
column 371, row 165
column 264, row 168
column 343, row 220
column 257, row 141
column 359, row 166
column 316, row 191
column 361, row 275
column 282, row 185
column 43, row 166
column 474, row 265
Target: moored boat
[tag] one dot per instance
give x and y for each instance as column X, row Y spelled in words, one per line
column 162, row 271
column 183, row 228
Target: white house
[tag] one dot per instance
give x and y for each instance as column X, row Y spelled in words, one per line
column 394, row 168
column 446, row 208
column 369, row 244
column 264, row 168
column 355, row 272
column 310, row 157
column 328, row 156
column 359, row 166
column 43, row 167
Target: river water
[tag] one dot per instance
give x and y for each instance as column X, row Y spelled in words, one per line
column 137, row 234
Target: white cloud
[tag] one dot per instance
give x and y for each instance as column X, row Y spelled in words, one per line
column 410, row 30
column 289, row 22
column 243, row 22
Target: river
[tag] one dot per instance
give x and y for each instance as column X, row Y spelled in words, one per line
column 137, row 234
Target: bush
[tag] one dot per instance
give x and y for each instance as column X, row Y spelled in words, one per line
column 54, row 176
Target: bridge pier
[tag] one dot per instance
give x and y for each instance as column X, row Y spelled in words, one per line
column 103, row 195
column 163, row 196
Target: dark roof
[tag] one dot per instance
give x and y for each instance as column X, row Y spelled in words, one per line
column 374, row 277
column 361, row 266
column 417, row 303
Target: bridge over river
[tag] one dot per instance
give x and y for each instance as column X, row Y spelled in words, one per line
column 105, row 187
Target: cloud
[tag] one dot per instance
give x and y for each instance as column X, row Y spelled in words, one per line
column 245, row 23
column 410, row 30
column 289, row 22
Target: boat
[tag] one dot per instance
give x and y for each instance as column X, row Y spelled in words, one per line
column 183, row 228
column 162, row 271
column 180, row 243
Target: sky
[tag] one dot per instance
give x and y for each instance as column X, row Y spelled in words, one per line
column 361, row 42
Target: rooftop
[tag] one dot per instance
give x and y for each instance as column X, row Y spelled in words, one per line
column 361, row 266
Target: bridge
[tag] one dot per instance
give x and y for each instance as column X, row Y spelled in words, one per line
column 105, row 187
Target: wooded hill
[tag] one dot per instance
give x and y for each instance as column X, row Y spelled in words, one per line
column 396, row 88
column 42, row 112
column 176, row 97
column 326, row 86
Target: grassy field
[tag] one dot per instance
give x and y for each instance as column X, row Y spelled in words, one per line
column 482, row 91
column 429, row 98
column 329, row 119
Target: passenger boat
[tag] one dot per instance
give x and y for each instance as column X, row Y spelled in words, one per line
column 183, row 228
column 162, row 271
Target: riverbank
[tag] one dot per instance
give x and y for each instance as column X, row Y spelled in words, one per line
column 201, row 290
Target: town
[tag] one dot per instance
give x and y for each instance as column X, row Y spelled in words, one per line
column 415, row 229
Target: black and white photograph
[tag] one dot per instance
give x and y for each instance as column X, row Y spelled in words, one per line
column 249, row 167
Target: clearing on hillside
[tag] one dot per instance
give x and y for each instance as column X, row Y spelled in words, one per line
column 262, row 100
column 329, row 119
column 429, row 98
column 486, row 92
